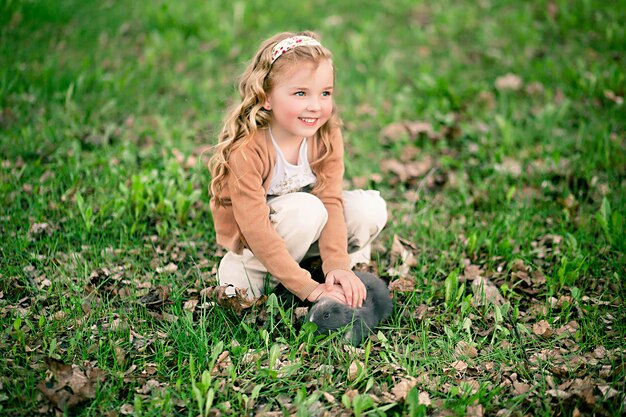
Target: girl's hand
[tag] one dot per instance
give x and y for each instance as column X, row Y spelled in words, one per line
column 352, row 286
column 335, row 292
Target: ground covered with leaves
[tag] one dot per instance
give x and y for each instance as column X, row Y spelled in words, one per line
column 495, row 130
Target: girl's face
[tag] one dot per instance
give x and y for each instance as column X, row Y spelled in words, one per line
column 301, row 100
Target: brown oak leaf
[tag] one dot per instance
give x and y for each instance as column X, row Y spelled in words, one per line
column 238, row 302
column 68, row 385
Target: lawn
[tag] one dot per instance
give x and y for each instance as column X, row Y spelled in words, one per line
column 495, row 130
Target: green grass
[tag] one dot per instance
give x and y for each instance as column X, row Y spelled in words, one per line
column 98, row 99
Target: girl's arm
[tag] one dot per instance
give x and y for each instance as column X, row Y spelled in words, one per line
column 333, row 241
column 252, row 216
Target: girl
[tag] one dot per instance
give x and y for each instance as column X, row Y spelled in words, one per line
column 277, row 179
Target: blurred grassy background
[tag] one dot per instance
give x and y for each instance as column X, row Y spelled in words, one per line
column 103, row 103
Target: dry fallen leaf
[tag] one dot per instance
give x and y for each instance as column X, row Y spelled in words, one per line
column 402, row 388
column 520, row 388
column 420, row 311
column 353, row 370
column 396, row 167
column 608, row 391
column 542, row 329
column 167, row 269
column 485, row 291
column 157, row 296
column 558, row 393
column 406, row 171
column 329, row 398
column 568, row 329
column 401, row 271
column 475, row 411
column 301, row 312
column 465, row 349
column 487, row 99
column 394, row 131
column 423, row 398
column 351, row 394
column 534, row 88
column 508, row 82
column 222, row 363
column 68, row 385
column 600, row 352
column 619, row 100
column 402, row 285
column 417, row 127
column 120, row 355
column 251, row 356
column 37, row 229
column 412, row 129
column 469, row 386
column 471, row 272
column 360, row 182
column 403, row 250
column 459, row 366
column 239, row 302
column 606, row 371
column 509, row 166
column 151, row 386
column 190, row 305
column 187, row 162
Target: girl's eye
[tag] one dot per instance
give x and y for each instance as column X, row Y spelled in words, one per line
column 300, row 93
column 326, row 93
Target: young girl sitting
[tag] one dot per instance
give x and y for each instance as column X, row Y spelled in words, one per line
column 277, row 179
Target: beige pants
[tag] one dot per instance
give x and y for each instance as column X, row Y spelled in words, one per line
column 299, row 219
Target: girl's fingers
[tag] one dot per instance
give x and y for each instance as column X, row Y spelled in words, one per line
column 362, row 293
column 336, row 292
column 349, row 294
column 353, row 290
column 330, row 281
column 338, row 295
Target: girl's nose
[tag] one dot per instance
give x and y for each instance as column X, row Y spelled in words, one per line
column 313, row 104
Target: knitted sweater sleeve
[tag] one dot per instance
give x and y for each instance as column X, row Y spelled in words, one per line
column 333, row 241
column 251, row 214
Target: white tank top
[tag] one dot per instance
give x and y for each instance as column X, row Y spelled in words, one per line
column 289, row 178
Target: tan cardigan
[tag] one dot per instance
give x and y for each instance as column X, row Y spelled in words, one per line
column 246, row 222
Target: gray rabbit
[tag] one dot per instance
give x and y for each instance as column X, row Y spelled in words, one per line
column 330, row 315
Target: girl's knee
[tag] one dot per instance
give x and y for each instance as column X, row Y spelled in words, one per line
column 366, row 210
column 242, row 271
column 311, row 208
column 378, row 216
column 300, row 209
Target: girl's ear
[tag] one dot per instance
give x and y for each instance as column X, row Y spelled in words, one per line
column 267, row 106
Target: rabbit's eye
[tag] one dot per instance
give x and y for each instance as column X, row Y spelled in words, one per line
column 326, row 316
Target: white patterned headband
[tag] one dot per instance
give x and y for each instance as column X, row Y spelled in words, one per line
column 290, row 43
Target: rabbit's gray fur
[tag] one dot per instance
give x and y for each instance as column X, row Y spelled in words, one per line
column 330, row 315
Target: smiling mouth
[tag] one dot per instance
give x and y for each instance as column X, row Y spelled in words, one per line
column 308, row 121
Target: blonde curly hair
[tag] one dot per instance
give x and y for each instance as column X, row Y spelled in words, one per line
column 245, row 118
